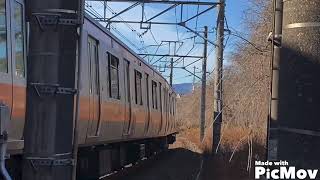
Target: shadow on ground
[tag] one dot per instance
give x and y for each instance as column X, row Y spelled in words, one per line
column 183, row 164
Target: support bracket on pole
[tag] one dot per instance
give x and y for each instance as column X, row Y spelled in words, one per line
column 37, row 162
column 52, row 89
column 55, row 19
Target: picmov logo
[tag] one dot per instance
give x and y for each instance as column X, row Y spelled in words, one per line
column 282, row 170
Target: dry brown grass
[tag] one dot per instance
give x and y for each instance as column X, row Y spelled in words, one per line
column 226, row 165
column 188, row 108
column 246, row 97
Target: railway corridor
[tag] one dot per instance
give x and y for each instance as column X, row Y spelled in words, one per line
column 180, row 163
column 175, row 164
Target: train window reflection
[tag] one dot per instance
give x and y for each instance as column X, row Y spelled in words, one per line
column 19, row 40
column 170, row 104
column 160, row 93
column 154, row 95
column 138, row 87
column 173, row 106
column 113, row 63
column 96, row 61
column 3, row 38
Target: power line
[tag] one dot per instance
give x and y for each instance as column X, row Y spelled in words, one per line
column 191, row 45
column 139, row 35
column 177, row 30
column 94, row 13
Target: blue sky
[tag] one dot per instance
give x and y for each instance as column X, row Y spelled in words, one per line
column 140, row 40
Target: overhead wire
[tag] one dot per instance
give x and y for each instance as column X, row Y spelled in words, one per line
column 235, row 33
column 197, row 19
column 139, row 35
column 155, row 45
column 176, row 17
column 94, row 13
column 154, row 39
column 158, row 45
column 183, row 77
column 194, row 39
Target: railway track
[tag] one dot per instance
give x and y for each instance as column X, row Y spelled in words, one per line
column 133, row 169
column 173, row 164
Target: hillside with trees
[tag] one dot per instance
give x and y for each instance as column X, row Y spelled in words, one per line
column 246, row 92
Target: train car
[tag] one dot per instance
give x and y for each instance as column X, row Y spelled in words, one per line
column 127, row 108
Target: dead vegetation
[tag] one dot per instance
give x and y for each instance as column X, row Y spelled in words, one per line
column 246, row 94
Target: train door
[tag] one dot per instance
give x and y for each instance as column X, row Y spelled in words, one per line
column 128, row 108
column 169, row 109
column 165, row 109
column 94, row 90
column 161, row 107
column 5, row 56
column 18, row 54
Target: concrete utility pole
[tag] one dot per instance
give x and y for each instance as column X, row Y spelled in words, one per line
column 276, row 53
column 218, row 103
column 203, row 86
column 52, row 61
column 299, row 85
column 171, row 71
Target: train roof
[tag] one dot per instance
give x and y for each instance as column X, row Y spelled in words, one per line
column 105, row 30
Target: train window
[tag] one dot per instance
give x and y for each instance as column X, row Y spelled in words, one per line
column 3, row 38
column 127, row 80
column 154, row 95
column 93, row 57
column 173, row 106
column 19, row 40
column 138, row 87
column 170, row 104
column 113, row 64
column 96, row 62
column 147, row 90
column 166, row 100
column 160, row 93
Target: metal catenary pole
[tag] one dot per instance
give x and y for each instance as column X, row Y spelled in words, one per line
column 273, row 117
column 299, row 85
column 171, row 71
column 52, row 59
column 203, row 86
column 218, row 76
